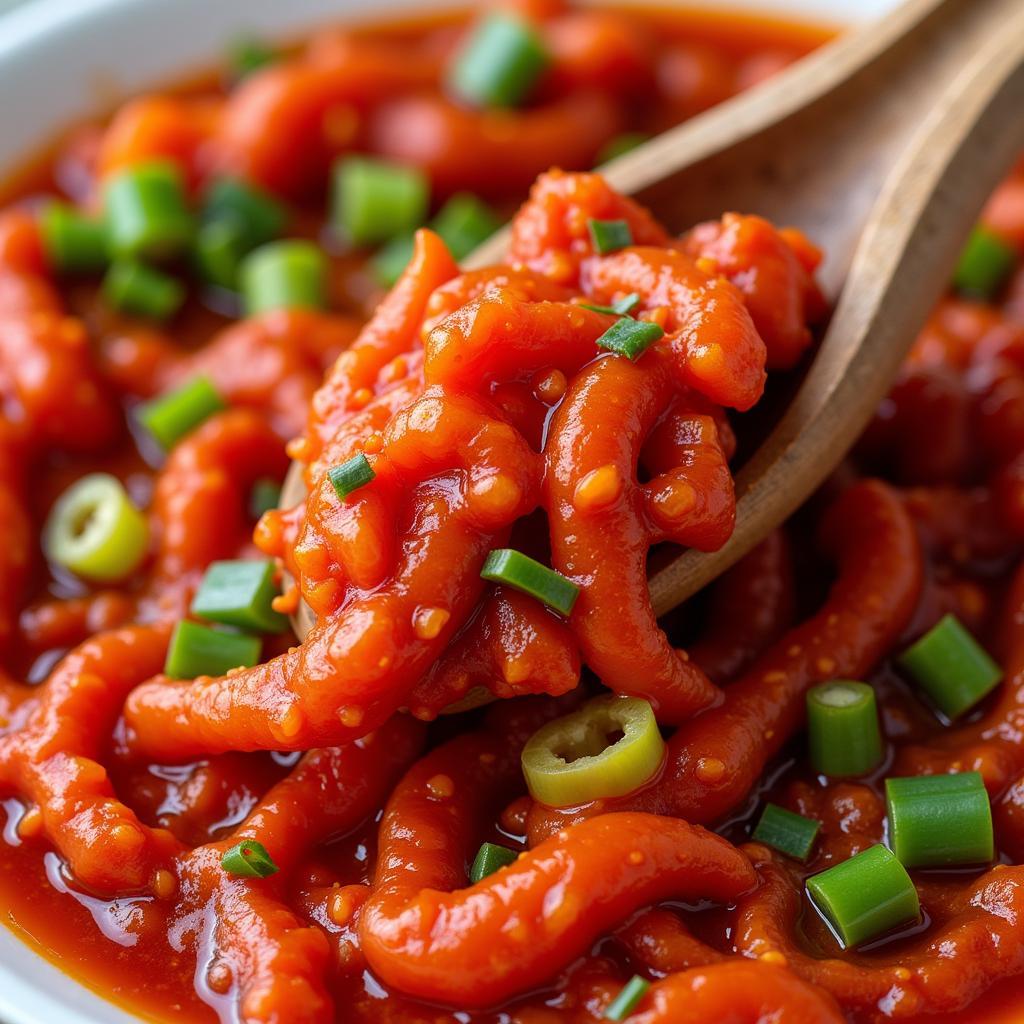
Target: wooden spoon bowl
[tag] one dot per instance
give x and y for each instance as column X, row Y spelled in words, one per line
column 882, row 147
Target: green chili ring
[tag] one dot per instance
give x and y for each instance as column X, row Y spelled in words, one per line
column 95, row 531
column 575, row 759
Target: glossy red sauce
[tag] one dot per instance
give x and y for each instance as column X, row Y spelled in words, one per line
column 482, row 406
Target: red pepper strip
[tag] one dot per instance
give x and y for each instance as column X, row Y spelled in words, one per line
column 392, row 332
column 717, row 350
column 273, row 363
column 514, row 646
column 714, row 760
column 517, row 283
column 662, row 942
column 498, row 475
column 511, row 931
column 277, row 127
column 601, row 428
column 776, row 283
column 274, row 962
column 459, row 148
column 977, row 941
column 357, row 666
column 751, row 606
column 53, row 763
column 736, row 992
column 499, row 339
column 200, row 504
column 550, row 234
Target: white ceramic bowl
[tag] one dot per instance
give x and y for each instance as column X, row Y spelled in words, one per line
column 59, row 60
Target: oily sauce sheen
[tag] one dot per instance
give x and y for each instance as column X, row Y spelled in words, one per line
column 491, row 418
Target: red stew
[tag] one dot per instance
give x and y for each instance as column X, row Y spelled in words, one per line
column 296, row 839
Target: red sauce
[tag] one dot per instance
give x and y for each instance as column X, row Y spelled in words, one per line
column 491, row 419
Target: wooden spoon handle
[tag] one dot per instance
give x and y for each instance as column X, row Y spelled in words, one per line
column 899, row 270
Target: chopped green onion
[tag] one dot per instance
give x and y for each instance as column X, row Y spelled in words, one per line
column 240, row 594
column 375, row 200
column 621, row 145
column 952, row 668
column 789, row 833
column 171, row 416
column 865, row 896
column 265, row 495
column 74, row 242
column 351, row 475
column 463, row 223
column 132, row 287
column 842, row 722
column 284, row 275
column 201, row 651
column 147, row 212
column 985, row 264
column 621, row 307
column 95, row 531
column 490, row 858
column 940, row 820
column 258, row 214
column 608, row 747
column 609, row 235
column 500, row 63
column 628, row 999
column 247, row 55
column 513, row 568
column 219, row 250
column 389, row 261
column 630, row 338
column 248, row 859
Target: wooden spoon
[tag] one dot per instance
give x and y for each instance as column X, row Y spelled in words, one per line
column 882, row 146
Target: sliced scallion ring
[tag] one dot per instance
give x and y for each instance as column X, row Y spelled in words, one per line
column 95, row 531
column 609, row 747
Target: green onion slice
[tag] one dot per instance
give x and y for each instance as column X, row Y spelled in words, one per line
column 239, row 594
column 865, row 896
column 74, row 242
column 173, row 415
column 620, row 145
column 351, row 475
column 842, row 723
column 500, row 63
column 219, row 250
column 490, row 858
column 513, row 568
column 95, row 531
column 463, row 223
column 789, row 833
column 247, row 55
column 258, row 215
column 952, row 668
column 940, row 820
column 609, row 747
column 133, row 288
column 609, row 235
column 628, row 999
column 630, row 338
column 147, row 212
column 373, row 200
column 201, row 651
column 985, row 264
column 248, row 859
column 289, row 274
column 265, row 495
column 621, row 307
